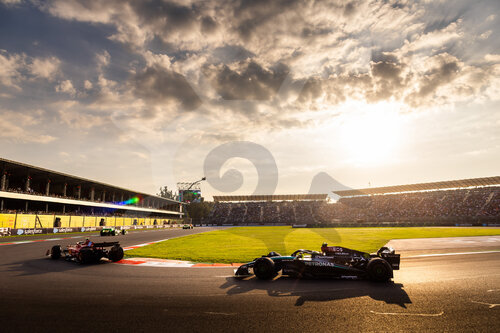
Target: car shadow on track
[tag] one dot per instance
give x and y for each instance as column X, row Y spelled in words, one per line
column 46, row 265
column 320, row 290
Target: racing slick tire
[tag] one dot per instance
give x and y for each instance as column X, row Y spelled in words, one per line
column 55, row 252
column 115, row 253
column 264, row 268
column 379, row 270
column 102, row 233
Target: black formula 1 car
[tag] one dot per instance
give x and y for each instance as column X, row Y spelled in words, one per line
column 331, row 262
column 87, row 252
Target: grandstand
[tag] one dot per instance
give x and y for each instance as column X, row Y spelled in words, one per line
column 466, row 201
column 284, row 209
column 474, row 200
column 445, row 185
column 31, row 196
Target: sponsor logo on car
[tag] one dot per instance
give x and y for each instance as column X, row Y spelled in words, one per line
column 319, row 263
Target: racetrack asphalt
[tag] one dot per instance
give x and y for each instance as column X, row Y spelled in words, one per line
column 457, row 293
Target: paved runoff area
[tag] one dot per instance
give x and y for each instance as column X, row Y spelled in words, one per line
column 439, row 288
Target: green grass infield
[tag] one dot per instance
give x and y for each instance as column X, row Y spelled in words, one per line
column 243, row 244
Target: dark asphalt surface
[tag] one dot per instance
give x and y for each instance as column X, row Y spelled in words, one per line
column 459, row 293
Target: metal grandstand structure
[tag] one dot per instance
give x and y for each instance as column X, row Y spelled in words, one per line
column 26, row 187
column 282, row 197
column 444, row 185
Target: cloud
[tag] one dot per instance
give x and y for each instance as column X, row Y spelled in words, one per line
column 157, row 85
column 66, row 87
column 81, row 120
column 248, row 81
column 326, row 53
column 87, row 85
column 11, row 2
column 16, row 68
column 10, row 66
column 22, row 128
column 45, row 68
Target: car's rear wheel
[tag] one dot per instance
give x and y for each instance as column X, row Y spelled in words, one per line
column 115, row 253
column 264, row 268
column 102, row 233
column 55, row 253
column 379, row 270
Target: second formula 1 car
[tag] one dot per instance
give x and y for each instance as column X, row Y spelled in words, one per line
column 110, row 231
column 87, row 252
column 331, row 262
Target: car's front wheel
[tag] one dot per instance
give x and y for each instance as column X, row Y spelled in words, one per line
column 264, row 268
column 55, row 253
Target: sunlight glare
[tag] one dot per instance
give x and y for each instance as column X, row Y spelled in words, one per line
column 371, row 134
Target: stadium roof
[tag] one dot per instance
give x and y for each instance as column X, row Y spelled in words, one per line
column 282, row 197
column 463, row 183
column 9, row 165
column 45, row 199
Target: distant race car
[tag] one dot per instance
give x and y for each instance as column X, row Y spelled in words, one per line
column 88, row 252
column 331, row 262
column 110, row 231
column 187, row 226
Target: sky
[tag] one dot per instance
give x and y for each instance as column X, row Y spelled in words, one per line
column 261, row 97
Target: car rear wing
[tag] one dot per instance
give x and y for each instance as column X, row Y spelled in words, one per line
column 106, row 244
column 390, row 256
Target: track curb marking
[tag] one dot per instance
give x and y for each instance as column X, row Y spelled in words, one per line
column 156, row 262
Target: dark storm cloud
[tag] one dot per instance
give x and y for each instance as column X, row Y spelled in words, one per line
column 439, row 76
column 228, row 54
column 158, row 85
column 312, row 90
column 387, row 80
column 252, row 14
column 208, row 24
column 251, row 82
column 248, row 48
column 166, row 15
column 350, row 9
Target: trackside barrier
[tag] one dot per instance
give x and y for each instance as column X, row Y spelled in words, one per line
column 36, row 221
column 29, row 224
column 43, row 231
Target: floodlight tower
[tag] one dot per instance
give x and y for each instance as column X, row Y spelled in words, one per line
column 184, row 186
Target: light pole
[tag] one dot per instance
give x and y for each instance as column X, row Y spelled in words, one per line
column 184, row 187
column 196, row 182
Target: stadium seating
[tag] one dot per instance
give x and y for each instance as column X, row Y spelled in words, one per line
column 442, row 205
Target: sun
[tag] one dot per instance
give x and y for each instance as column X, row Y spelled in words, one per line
column 371, row 134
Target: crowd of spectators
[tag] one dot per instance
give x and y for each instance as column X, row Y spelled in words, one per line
column 432, row 205
column 97, row 198
column 264, row 212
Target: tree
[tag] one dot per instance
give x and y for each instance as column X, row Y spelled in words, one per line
column 198, row 210
column 165, row 193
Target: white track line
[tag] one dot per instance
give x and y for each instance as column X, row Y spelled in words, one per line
column 448, row 254
column 490, row 305
column 409, row 314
